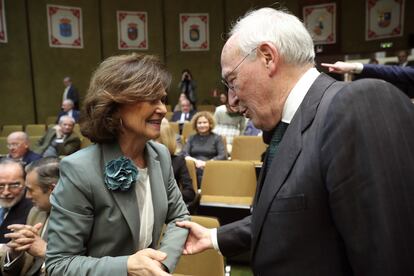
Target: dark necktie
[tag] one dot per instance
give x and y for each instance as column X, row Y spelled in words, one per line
column 3, row 212
column 274, row 143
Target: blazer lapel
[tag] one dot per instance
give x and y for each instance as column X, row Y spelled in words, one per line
column 289, row 150
column 126, row 199
column 157, row 190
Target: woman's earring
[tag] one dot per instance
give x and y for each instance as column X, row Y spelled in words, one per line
column 120, row 122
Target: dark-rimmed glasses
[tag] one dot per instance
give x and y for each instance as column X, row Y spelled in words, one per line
column 224, row 81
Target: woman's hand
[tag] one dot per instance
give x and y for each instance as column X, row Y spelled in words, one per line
column 26, row 238
column 146, row 262
column 200, row 164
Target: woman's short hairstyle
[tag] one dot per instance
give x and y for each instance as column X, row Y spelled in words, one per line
column 47, row 170
column 284, row 30
column 119, row 80
column 205, row 114
column 167, row 136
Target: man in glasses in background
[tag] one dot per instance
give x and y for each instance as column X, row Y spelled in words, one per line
column 14, row 207
column 19, row 148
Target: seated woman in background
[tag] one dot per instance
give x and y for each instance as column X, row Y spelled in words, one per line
column 204, row 145
column 181, row 174
column 115, row 196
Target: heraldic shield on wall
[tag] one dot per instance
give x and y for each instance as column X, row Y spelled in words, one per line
column 65, row 26
column 3, row 30
column 132, row 30
column 320, row 20
column 384, row 18
column 194, row 32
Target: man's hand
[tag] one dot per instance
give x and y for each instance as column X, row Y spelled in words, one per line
column 147, row 262
column 341, row 67
column 58, row 130
column 26, row 238
column 198, row 239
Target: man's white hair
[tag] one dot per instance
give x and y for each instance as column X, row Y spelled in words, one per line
column 66, row 117
column 285, row 31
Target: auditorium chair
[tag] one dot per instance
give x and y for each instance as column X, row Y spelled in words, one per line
column 35, row 129
column 187, row 131
column 207, row 263
column 206, row 107
column 7, row 129
column 228, row 184
column 248, row 148
column 192, row 207
column 3, row 146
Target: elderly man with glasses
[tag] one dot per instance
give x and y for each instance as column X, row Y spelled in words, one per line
column 14, row 207
column 335, row 194
column 19, row 148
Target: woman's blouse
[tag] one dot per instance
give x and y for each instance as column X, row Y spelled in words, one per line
column 205, row 147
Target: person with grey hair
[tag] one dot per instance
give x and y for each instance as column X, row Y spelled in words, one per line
column 68, row 109
column 14, row 207
column 70, row 92
column 18, row 145
column 335, row 192
column 59, row 140
column 28, row 241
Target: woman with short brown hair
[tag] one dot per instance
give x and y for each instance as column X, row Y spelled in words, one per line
column 116, row 195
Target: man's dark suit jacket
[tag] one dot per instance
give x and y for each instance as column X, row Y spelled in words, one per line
column 338, row 197
column 75, row 115
column 17, row 214
column 177, row 115
column 71, row 143
column 402, row 77
column 74, row 96
column 30, row 156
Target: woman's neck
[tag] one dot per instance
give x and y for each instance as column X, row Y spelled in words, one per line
column 133, row 147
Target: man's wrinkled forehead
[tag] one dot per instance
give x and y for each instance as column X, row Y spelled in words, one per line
column 230, row 52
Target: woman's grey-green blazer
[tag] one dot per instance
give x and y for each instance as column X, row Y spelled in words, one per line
column 93, row 230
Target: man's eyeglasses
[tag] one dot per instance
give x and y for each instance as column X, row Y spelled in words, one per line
column 13, row 145
column 11, row 186
column 224, row 81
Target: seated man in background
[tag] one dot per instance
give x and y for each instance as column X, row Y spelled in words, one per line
column 28, row 242
column 68, row 109
column 185, row 115
column 19, row 148
column 59, row 140
column 14, row 207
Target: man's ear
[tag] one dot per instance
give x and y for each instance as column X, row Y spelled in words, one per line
column 270, row 56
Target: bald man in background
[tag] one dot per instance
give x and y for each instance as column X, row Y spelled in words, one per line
column 19, row 148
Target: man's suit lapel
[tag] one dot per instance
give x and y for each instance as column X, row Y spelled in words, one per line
column 288, row 152
column 126, row 199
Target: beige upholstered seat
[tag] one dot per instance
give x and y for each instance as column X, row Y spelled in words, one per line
column 187, row 131
column 248, row 148
column 206, row 107
column 207, row 263
column 228, row 184
column 35, row 129
column 7, row 129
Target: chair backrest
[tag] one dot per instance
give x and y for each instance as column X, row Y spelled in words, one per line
column 169, row 115
column 35, row 129
column 206, row 107
column 193, row 174
column 3, row 146
column 248, row 148
column 229, row 183
column 187, row 131
column 168, row 107
column 51, row 120
column 207, row 263
column 174, row 126
column 76, row 130
column 7, row 129
column 34, row 140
